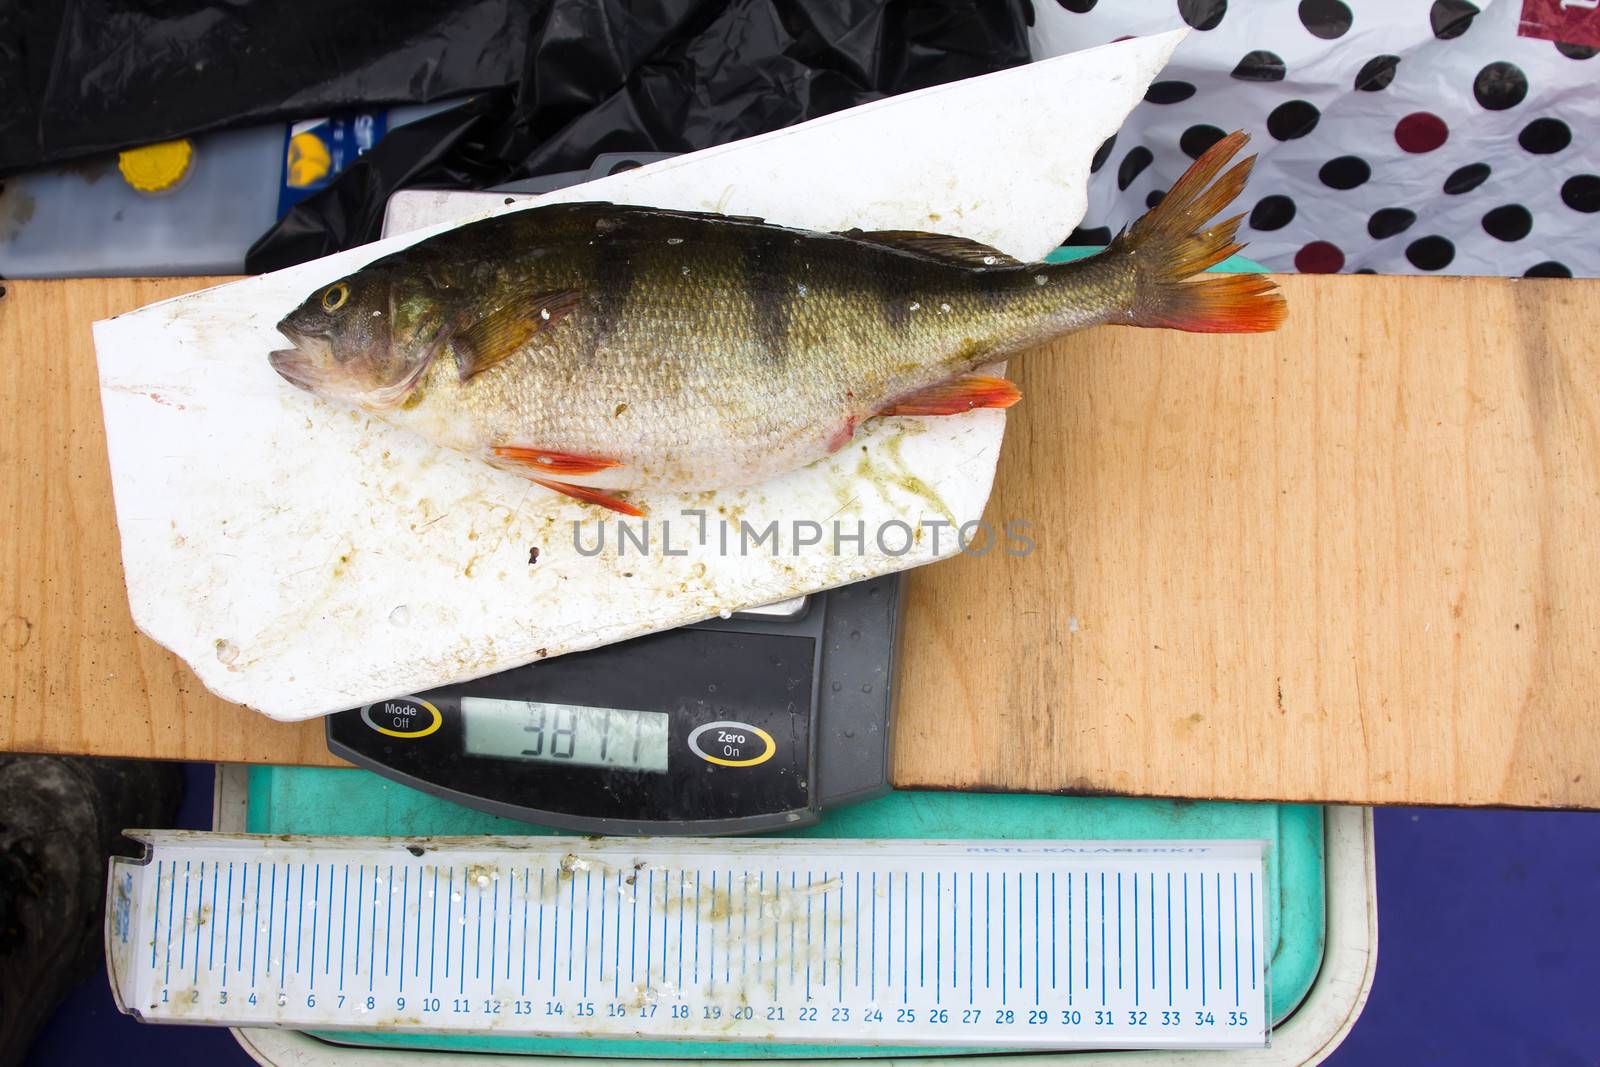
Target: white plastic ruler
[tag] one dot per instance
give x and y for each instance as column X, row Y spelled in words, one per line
column 995, row 943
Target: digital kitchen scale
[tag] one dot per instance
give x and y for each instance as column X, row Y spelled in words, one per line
column 748, row 724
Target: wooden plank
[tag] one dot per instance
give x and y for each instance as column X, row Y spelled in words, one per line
column 75, row 676
column 1358, row 559
column 1352, row 561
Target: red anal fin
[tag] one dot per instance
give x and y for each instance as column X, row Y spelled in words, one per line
column 543, row 460
column 590, row 495
column 957, row 395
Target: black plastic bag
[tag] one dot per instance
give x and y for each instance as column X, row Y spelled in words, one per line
column 87, row 77
column 690, row 74
column 556, row 82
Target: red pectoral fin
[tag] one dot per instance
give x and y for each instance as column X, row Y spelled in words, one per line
column 590, row 495
column 539, row 460
column 955, row 396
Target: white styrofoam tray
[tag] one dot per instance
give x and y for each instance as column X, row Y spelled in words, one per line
column 303, row 558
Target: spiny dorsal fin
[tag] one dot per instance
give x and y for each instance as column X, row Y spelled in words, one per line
column 941, row 246
column 481, row 344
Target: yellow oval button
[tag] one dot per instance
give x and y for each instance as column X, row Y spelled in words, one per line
column 729, row 743
column 395, row 718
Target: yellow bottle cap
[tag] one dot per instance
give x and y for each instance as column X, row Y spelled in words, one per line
column 308, row 162
column 154, row 168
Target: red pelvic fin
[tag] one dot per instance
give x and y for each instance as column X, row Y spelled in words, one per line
column 541, row 460
column 590, row 495
column 957, row 395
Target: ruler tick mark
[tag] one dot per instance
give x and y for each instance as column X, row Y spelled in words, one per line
column 1219, row 931
column 1202, row 881
column 327, row 945
column 200, row 907
column 272, row 909
column 572, row 922
column 172, row 892
column 155, row 927
column 650, row 925
column 938, row 936
column 1103, row 938
column 183, row 933
column 605, row 877
column 872, row 903
column 433, row 930
column 825, row 933
column 255, row 930
column 344, row 921
column 405, row 902
column 988, row 915
column 1252, row 929
column 283, row 935
column 372, row 933
column 477, row 948
column 1186, row 930
column 227, row 927
column 1019, row 931
column 467, row 883
column 808, row 935
column 972, row 962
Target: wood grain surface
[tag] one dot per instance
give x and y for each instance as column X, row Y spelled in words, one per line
column 1356, row 560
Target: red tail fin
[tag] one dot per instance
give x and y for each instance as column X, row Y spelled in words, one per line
column 1176, row 240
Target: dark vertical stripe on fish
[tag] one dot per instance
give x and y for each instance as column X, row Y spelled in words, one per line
column 891, row 293
column 613, row 287
column 766, row 264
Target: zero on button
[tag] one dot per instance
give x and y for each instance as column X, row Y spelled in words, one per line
column 732, row 744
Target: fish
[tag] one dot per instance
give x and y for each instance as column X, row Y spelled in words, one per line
column 598, row 348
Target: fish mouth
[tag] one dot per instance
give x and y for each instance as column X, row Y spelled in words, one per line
column 299, row 366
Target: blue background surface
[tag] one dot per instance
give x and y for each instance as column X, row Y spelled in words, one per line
column 1488, row 953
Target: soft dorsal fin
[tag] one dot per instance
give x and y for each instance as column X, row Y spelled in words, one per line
column 483, row 343
column 941, row 246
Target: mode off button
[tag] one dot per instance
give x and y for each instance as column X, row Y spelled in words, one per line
column 732, row 744
column 403, row 717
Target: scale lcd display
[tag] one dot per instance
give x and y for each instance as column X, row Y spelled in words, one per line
column 566, row 733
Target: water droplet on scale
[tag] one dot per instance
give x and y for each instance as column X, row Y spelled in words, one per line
column 867, row 688
column 855, row 635
column 836, row 686
column 400, row 616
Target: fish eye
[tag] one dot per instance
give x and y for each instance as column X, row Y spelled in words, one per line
column 334, row 297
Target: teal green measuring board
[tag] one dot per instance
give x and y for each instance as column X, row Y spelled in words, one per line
column 345, row 803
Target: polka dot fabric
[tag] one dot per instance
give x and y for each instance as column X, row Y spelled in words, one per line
column 1394, row 138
